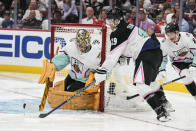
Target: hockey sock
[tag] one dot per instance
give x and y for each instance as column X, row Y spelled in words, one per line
column 153, row 101
column 191, row 88
column 161, row 95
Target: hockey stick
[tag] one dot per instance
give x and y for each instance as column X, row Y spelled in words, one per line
column 76, row 94
column 169, row 82
column 43, row 102
column 133, row 96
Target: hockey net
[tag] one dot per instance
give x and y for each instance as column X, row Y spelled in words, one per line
column 113, row 92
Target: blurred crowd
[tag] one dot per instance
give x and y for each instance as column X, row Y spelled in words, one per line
column 152, row 17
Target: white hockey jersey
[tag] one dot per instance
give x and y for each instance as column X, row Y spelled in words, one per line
column 127, row 40
column 183, row 51
column 81, row 63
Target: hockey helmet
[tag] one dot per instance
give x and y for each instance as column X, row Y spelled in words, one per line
column 115, row 13
column 171, row 27
column 83, row 40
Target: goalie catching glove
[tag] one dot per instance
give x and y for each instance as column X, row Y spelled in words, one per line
column 94, row 87
column 48, row 72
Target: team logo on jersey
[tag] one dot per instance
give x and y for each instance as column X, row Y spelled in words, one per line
column 181, row 52
column 77, row 65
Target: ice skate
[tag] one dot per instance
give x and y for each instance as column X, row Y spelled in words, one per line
column 162, row 114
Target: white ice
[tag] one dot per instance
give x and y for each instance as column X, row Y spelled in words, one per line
column 15, row 92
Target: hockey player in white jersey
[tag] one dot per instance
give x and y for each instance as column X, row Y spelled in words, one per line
column 83, row 57
column 181, row 49
column 128, row 40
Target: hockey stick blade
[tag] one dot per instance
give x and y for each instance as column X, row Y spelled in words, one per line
column 133, row 96
column 43, row 115
column 31, row 107
column 43, row 101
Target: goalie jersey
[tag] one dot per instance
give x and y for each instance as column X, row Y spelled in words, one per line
column 81, row 63
column 183, row 51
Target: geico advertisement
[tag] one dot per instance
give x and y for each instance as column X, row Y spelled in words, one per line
column 26, row 48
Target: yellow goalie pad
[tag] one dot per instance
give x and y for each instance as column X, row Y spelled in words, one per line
column 48, row 72
column 84, row 101
column 93, row 88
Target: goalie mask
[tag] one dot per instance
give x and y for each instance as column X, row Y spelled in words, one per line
column 83, row 40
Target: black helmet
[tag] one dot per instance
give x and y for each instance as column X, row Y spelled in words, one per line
column 171, row 27
column 115, row 13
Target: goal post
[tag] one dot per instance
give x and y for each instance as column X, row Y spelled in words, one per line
column 64, row 32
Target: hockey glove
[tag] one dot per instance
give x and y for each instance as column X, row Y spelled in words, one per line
column 192, row 70
column 100, row 75
column 48, row 72
column 93, row 88
column 162, row 76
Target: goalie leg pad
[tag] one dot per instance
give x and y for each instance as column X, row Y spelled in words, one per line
column 59, row 86
column 85, row 101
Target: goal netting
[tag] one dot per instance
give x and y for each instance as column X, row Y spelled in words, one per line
column 116, row 93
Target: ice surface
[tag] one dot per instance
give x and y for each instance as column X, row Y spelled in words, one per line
column 15, row 92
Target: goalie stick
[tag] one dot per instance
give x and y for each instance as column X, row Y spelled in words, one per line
column 133, row 96
column 42, row 115
column 43, row 102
